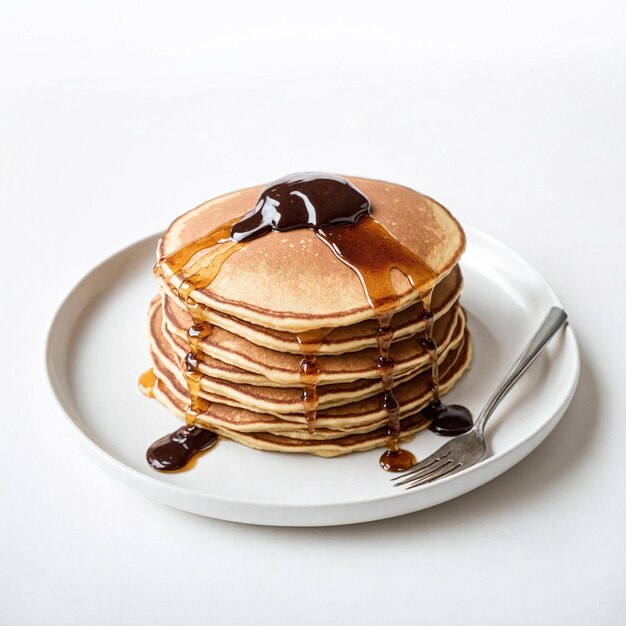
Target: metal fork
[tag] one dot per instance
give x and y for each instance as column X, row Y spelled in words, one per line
column 468, row 449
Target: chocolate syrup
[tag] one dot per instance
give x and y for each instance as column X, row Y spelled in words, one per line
column 302, row 200
column 448, row 419
column 173, row 452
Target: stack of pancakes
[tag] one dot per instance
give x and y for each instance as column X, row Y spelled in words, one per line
column 277, row 289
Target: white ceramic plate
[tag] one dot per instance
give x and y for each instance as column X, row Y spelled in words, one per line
column 97, row 348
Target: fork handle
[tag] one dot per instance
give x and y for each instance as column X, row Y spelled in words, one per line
column 554, row 320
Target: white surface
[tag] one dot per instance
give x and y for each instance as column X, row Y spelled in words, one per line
column 96, row 348
column 114, row 119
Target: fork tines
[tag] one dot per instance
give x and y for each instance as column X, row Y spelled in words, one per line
column 433, row 467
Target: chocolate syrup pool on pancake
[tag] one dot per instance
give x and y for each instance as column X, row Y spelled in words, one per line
column 340, row 215
column 303, row 200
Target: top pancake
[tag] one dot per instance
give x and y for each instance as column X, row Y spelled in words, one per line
column 291, row 281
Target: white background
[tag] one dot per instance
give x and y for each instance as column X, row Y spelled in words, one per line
column 115, row 118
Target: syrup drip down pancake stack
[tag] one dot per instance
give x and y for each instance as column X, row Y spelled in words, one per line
column 318, row 314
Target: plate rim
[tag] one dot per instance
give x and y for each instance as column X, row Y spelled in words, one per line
column 113, row 465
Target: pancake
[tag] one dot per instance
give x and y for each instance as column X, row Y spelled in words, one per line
column 291, row 281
